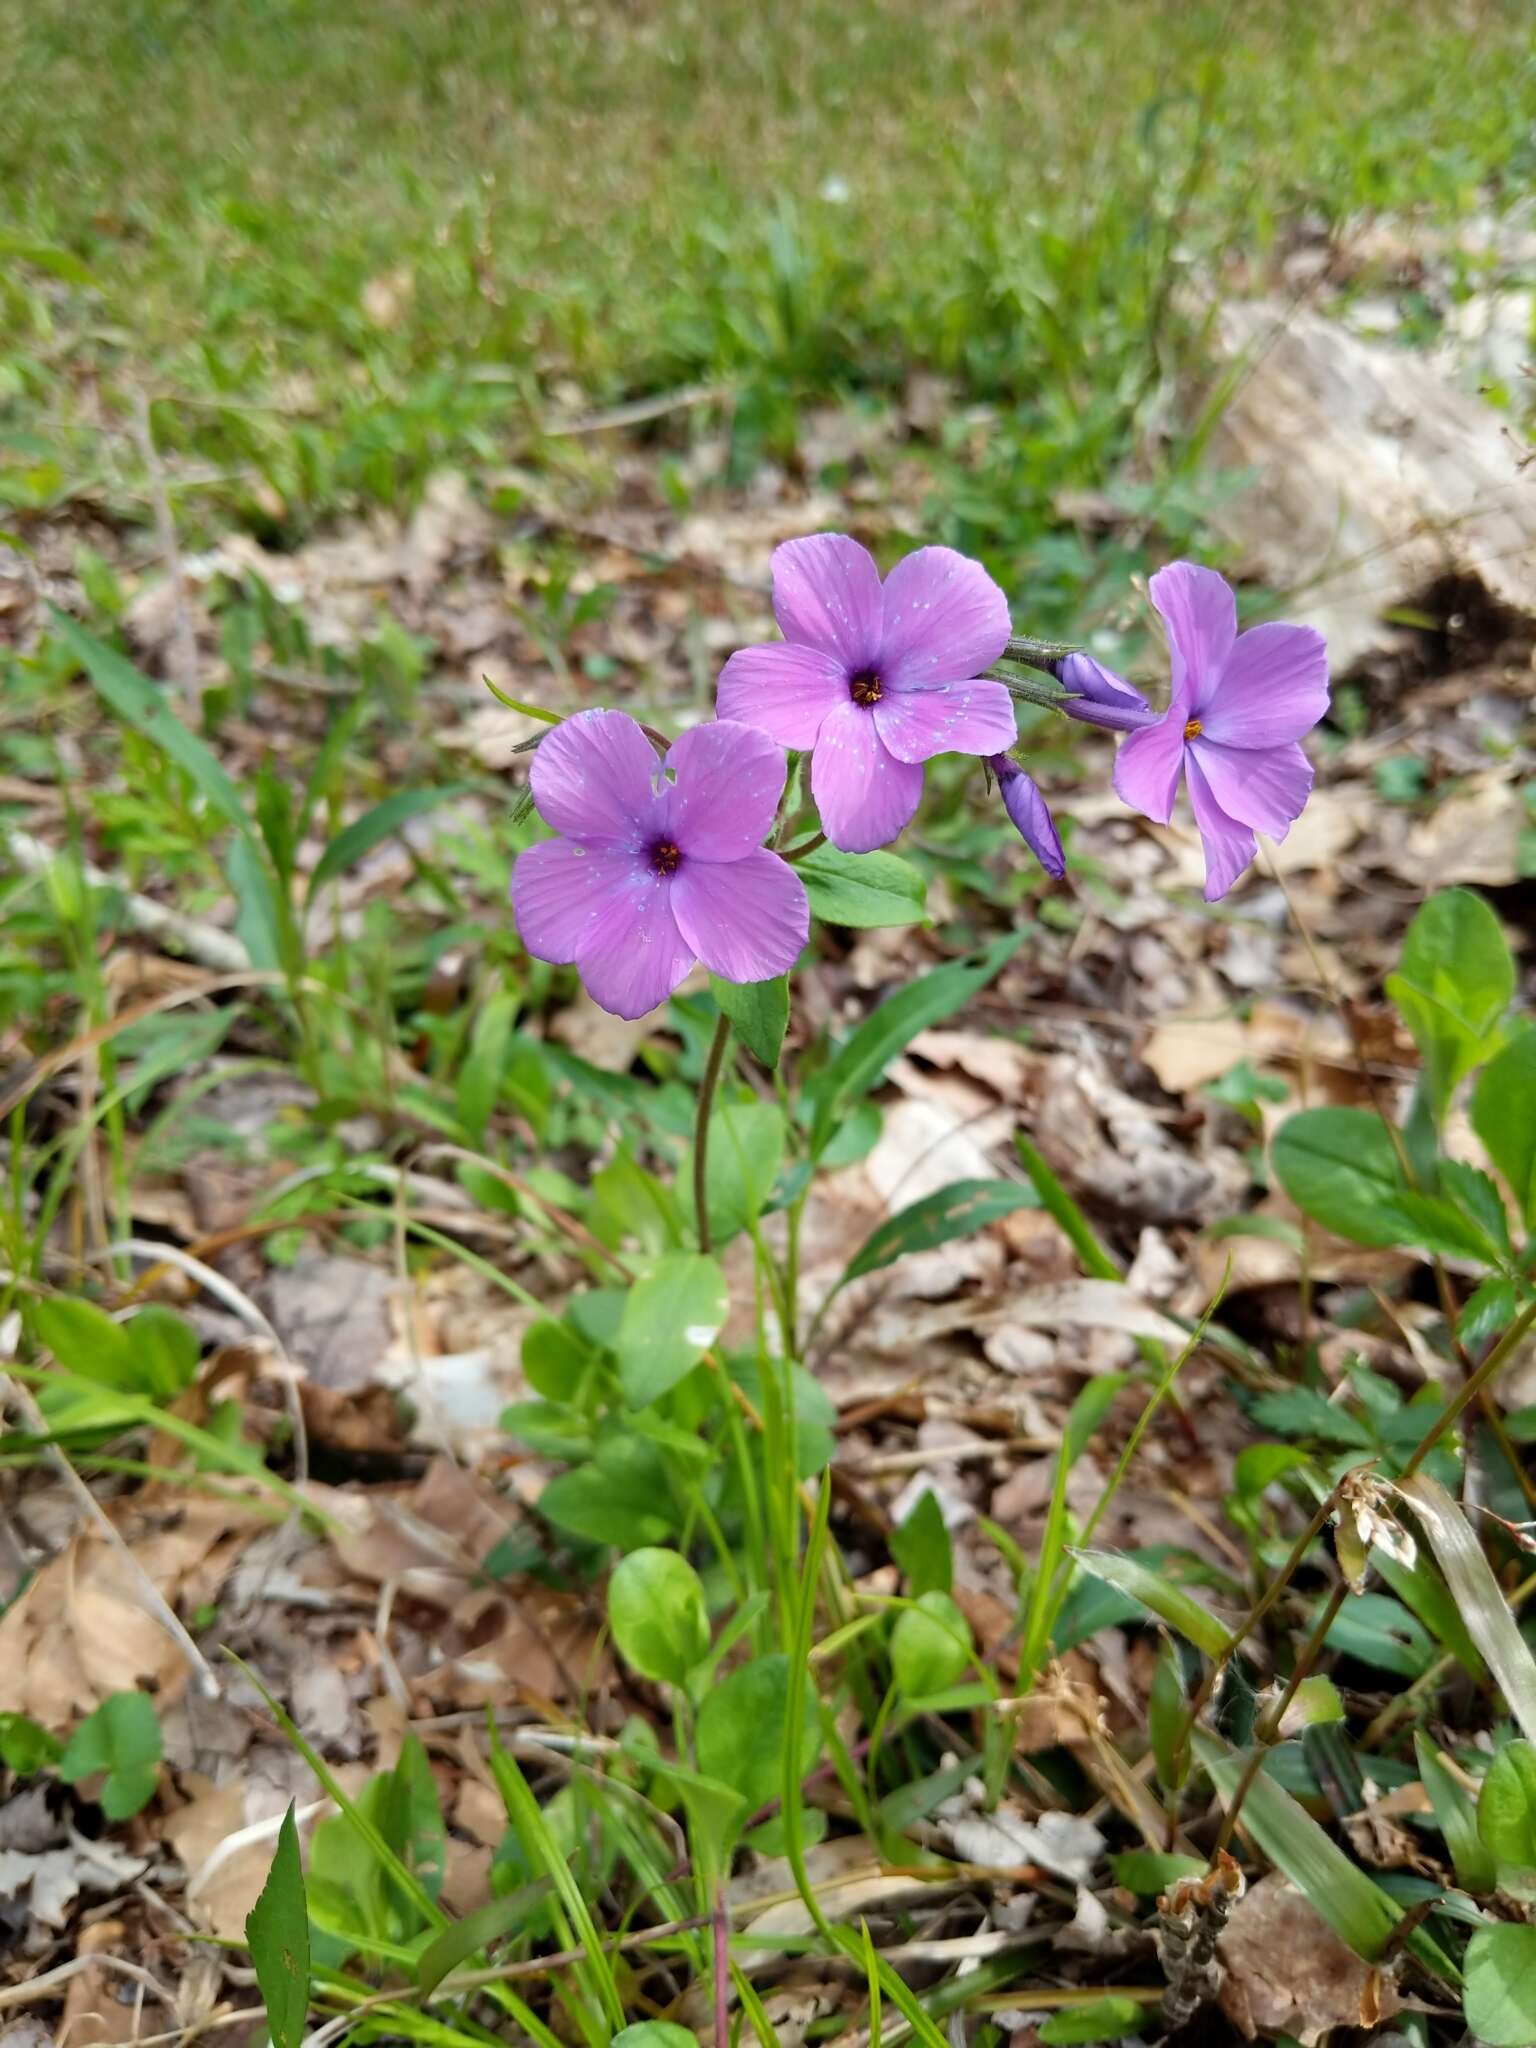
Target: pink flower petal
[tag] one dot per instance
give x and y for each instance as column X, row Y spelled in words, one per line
column 729, row 781
column 1229, row 846
column 631, row 954
column 826, row 594
column 1265, row 787
column 784, row 690
column 1274, row 688
column 747, row 919
column 945, row 620
column 1100, row 696
column 1147, row 768
column 1200, row 612
column 1031, row 814
column 946, row 718
column 864, row 794
column 594, row 777
column 559, row 890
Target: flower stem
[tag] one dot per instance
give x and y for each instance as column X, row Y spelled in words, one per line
column 1267, row 1733
column 1470, row 1389
column 707, row 1088
column 806, row 846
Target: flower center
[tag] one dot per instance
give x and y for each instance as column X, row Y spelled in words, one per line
column 665, row 856
column 866, row 688
column 1193, row 730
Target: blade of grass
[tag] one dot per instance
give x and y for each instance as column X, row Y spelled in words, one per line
column 1477, row 1595
column 527, row 1817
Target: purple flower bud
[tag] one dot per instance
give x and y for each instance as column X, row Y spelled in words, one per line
column 1027, row 808
column 1100, row 696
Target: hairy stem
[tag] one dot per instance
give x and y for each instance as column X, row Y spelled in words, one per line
column 707, row 1089
column 1471, row 1389
column 1268, row 1731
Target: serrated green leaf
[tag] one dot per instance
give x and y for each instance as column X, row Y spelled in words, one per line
column 277, row 1935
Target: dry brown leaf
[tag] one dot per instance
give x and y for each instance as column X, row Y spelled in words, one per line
column 1474, row 836
column 103, row 2008
column 1289, row 1973
column 79, row 1630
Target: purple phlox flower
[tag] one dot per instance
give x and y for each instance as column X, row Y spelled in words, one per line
column 1100, row 697
column 656, row 866
column 1027, row 808
column 876, row 678
column 1241, row 703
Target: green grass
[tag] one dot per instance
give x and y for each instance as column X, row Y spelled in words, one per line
column 339, row 244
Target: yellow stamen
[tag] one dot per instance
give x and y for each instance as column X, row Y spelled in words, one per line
column 1193, row 730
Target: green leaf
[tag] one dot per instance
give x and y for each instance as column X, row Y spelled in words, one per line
column 920, row 1545
column 1381, row 1632
column 863, row 1057
column 1340, row 1167
column 1168, row 1717
column 25, row 1747
column 1478, row 1595
column 1359, row 1912
column 670, row 1320
column 655, row 2034
column 277, row 1935
column 1304, row 1412
column 930, row 1646
column 1504, row 1117
column 1159, row 1596
column 85, row 1340
column 1455, row 980
column 620, row 1498
column 742, row 1730
column 1059, row 1205
column 485, row 1064
column 410, row 1817
column 1501, row 1985
column 1476, row 1195
column 121, row 1738
column 959, row 1210
column 1506, row 1806
column 1456, row 1818
column 477, row 1930
column 141, row 704
column 863, row 890
column 1146, row 1872
column 165, row 1349
column 1098, row 2019
column 759, row 1013
column 657, row 1614
column 374, row 827
column 1491, row 1307
column 746, row 1150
